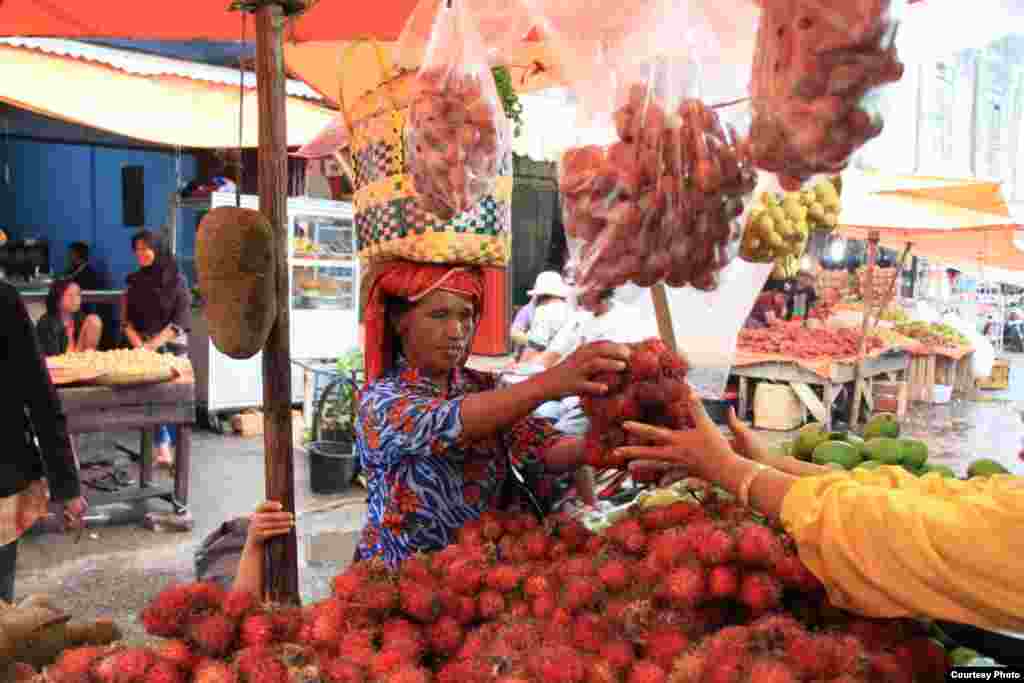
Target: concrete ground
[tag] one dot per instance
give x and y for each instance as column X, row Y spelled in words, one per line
column 118, row 565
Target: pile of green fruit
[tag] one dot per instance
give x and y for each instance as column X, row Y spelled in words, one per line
column 779, row 225
column 880, row 445
column 934, row 334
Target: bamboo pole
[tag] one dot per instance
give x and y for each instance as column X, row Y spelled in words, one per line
column 664, row 316
column 871, row 318
column 282, row 568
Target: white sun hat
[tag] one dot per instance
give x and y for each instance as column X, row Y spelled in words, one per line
column 549, row 283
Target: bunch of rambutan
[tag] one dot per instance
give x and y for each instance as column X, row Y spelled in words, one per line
column 652, row 389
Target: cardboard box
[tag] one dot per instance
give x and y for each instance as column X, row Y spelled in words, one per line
column 250, row 423
column 1000, row 377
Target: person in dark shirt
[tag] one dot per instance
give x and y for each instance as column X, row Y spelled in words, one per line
column 30, row 413
column 803, row 297
column 81, row 271
column 157, row 313
column 65, row 328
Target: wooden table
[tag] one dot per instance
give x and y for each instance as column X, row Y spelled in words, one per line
column 801, row 380
column 103, row 408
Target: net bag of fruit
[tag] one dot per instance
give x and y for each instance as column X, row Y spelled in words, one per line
column 392, row 219
column 457, row 134
column 663, row 200
column 815, row 82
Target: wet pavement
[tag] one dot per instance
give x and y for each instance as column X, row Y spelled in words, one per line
column 118, row 565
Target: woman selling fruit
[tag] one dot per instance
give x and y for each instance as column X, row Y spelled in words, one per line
column 434, row 437
column 884, row 543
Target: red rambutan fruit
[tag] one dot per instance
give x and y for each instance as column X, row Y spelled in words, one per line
column 445, row 635
column 409, row 674
column 927, row 658
column 760, row 591
column 618, row 653
column 578, row 593
column 543, row 606
column 723, row 582
column 794, row 574
column 490, row 605
column 178, row 652
column 719, row 547
column 535, row 544
column 237, row 604
column 647, row 672
column 771, row 671
column 686, row 585
column 339, row 670
column 757, row 545
column 666, row 547
column 664, row 644
column 419, row 601
column 589, row 632
column 77, row 660
column 213, row 635
column 213, row 671
column 614, row 575
column 257, row 629
column 504, row 578
column 132, row 664
column 164, row 671
column 886, row 667
column 558, row 664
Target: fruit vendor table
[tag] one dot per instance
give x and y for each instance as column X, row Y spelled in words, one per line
column 113, row 408
column 831, row 376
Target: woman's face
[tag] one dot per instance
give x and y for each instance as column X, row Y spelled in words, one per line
column 71, row 302
column 144, row 253
column 437, row 331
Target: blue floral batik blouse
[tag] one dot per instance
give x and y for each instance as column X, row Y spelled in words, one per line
column 424, row 480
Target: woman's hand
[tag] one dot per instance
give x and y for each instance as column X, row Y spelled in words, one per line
column 744, row 441
column 574, row 376
column 74, row 512
column 696, row 450
column 269, row 522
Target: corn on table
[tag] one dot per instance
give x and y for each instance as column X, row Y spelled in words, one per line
column 143, row 407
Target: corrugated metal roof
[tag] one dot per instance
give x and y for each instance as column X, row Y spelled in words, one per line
column 142, row 64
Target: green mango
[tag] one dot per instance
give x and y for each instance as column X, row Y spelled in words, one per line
column 985, row 467
column 869, row 465
column 882, row 424
column 885, row 450
column 915, row 452
column 836, row 452
column 856, row 442
column 807, row 439
column 943, row 470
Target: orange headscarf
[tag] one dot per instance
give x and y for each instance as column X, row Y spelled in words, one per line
column 411, row 281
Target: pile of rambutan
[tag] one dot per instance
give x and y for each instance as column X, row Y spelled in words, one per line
column 652, row 390
column 699, row 590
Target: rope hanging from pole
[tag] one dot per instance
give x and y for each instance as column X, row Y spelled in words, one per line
column 240, row 166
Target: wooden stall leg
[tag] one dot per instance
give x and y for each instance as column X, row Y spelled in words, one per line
column 145, row 456
column 828, row 393
column 182, row 467
column 741, row 401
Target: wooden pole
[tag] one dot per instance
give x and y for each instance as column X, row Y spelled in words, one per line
column 282, row 567
column 858, row 368
column 664, row 316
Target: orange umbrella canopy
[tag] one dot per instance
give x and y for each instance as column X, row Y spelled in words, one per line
column 194, row 19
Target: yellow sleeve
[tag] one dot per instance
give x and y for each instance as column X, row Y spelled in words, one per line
column 888, row 544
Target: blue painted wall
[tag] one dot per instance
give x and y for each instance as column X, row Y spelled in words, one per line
column 71, row 191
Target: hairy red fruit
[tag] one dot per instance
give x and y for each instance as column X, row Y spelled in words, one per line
column 342, row 671
column 213, row 635
column 535, row 544
column 558, row 664
column 928, row 658
column 490, row 605
column 543, row 606
column 719, row 547
column 664, row 644
column 578, row 593
column 644, row 365
column 723, row 582
column 771, row 671
column 237, row 604
column 418, row 601
column 589, row 632
column 270, row 671
column 504, row 578
column 758, row 546
column 256, row 629
column 886, row 667
column 618, row 653
column 211, row 671
column 760, row 591
column 647, row 672
column 614, row 574
column 678, row 514
column 347, row 585
column 179, row 652
column 795, row 574
column 686, row 585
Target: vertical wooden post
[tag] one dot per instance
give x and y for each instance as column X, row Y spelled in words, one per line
column 282, row 577
column 663, row 314
column 858, row 369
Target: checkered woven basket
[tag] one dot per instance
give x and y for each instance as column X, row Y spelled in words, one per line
column 390, row 223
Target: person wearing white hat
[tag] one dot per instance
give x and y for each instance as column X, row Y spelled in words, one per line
column 550, row 310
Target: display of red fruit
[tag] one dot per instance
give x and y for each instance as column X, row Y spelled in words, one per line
column 772, row 671
column 664, row 644
column 256, row 629
column 757, row 545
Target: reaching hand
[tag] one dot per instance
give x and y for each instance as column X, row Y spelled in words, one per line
column 268, row 522
column 745, row 442
column 694, row 449
column 575, row 376
column 74, row 512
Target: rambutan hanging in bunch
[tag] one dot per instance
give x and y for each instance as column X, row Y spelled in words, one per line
column 168, row 613
column 652, row 390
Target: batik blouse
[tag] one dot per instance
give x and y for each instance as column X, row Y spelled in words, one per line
column 424, row 479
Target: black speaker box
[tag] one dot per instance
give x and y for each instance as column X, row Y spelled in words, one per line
column 133, row 196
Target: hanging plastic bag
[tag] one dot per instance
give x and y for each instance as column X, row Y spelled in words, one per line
column 815, row 83
column 457, row 133
column 663, row 202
